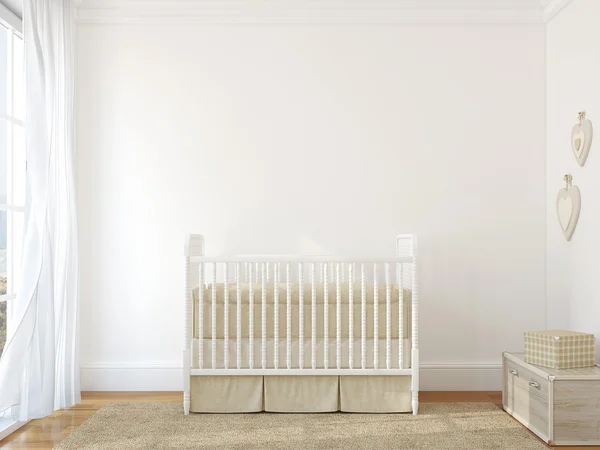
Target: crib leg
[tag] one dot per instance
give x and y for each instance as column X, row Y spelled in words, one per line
column 415, row 380
column 186, row 382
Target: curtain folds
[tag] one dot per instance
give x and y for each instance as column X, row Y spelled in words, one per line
column 39, row 369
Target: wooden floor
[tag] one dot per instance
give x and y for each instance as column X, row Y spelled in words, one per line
column 47, row 432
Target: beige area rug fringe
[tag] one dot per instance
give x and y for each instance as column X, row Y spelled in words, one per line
column 438, row 426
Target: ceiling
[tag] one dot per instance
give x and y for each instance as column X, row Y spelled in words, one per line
column 514, row 9
column 16, row 6
column 318, row 11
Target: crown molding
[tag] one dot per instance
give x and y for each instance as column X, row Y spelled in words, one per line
column 310, row 11
column 552, row 8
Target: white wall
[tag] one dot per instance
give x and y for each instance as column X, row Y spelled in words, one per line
column 573, row 74
column 304, row 139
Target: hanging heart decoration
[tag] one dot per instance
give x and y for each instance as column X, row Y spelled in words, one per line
column 568, row 207
column 581, row 139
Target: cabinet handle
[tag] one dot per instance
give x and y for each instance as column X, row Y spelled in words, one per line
column 533, row 384
column 514, row 372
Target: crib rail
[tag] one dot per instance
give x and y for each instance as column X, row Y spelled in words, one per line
column 295, row 372
column 308, row 259
column 264, row 272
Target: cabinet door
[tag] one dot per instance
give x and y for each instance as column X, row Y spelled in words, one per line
column 525, row 396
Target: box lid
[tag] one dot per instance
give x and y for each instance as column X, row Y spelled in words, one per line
column 558, row 334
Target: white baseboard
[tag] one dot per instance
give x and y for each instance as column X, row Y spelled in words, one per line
column 168, row 376
column 461, row 377
column 150, row 376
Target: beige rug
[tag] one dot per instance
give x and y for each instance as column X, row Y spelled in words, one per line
column 163, row 425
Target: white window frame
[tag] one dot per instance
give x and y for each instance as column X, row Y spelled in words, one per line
column 15, row 25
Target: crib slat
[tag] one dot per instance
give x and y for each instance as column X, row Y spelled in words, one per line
column 325, row 317
column 276, row 320
column 375, row 319
column 350, row 315
column 251, row 318
column 313, row 317
column 263, row 354
column 301, row 315
column 363, row 318
column 226, row 318
column 238, row 324
column 288, row 334
column 388, row 317
column 338, row 318
column 201, row 316
column 400, row 282
column 213, row 323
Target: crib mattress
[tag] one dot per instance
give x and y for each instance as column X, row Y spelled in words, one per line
column 295, row 353
column 371, row 307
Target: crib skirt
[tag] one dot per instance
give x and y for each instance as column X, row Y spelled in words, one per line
column 227, row 394
column 300, row 394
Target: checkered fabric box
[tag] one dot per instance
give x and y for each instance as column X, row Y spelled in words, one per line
column 560, row 349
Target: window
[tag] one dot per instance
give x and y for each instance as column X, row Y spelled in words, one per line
column 12, row 175
column 12, row 164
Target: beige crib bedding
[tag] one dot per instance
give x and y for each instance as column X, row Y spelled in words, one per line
column 302, row 393
column 223, row 394
column 298, row 394
column 295, row 310
column 295, row 353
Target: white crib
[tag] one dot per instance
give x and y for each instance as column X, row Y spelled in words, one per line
column 290, row 333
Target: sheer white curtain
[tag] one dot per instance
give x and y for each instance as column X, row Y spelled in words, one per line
column 39, row 369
